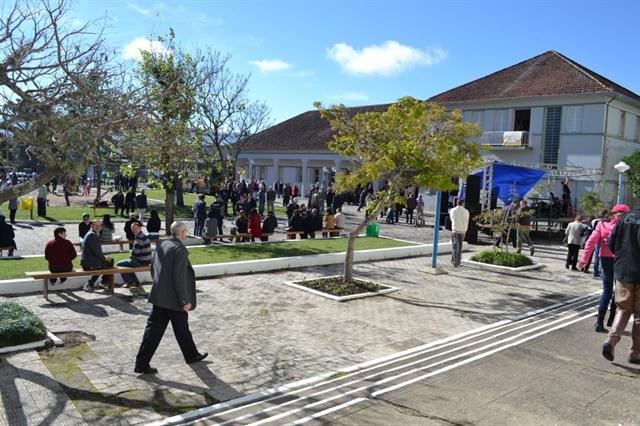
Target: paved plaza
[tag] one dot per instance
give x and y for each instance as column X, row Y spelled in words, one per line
column 261, row 334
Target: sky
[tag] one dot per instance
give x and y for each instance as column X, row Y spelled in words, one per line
column 369, row 52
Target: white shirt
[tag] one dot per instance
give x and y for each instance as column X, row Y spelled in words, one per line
column 340, row 220
column 459, row 219
column 574, row 232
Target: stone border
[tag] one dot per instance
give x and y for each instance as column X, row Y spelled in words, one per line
column 294, row 284
column 500, row 268
column 29, row 285
column 38, row 344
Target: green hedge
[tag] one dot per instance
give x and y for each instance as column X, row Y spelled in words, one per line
column 18, row 325
column 499, row 257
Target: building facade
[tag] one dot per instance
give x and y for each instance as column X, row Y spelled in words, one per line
column 547, row 111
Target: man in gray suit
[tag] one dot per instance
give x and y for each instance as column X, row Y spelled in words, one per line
column 93, row 258
column 173, row 295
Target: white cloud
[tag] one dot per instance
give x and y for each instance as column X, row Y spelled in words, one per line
column 386, row 59
column 139, row 8
column 271, row 65
column 352, row 96
column 133, row 49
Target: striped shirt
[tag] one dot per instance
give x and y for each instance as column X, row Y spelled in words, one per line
column 142, row 249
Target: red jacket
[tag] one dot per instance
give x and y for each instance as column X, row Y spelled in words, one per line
column 59, row 253
column 254, row 225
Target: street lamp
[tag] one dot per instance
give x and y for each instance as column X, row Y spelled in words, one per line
column 622, row 168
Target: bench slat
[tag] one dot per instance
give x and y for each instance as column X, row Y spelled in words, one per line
column 83, row 273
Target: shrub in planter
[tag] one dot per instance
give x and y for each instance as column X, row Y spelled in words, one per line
column 503, row 258
column 18, row 325
column 336, row 287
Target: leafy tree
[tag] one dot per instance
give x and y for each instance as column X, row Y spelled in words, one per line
column 633, row 174
column 165, row 141
column 411, row 143
column 60, row 92
column 495, row 221
column 591, row 203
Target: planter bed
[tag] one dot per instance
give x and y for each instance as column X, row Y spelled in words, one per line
column 500, row 268
column 332, row 288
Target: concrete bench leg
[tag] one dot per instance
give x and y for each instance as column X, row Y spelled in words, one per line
column 45, row 288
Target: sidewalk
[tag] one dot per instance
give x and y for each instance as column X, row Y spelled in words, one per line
column 260, row 334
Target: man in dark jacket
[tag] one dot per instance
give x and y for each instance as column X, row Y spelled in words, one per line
column 268, row 226
column 624, row 243
column 94, row 259
column 217, row 208
column 85, row 225
column 141, row 204
column 172, row 295
column 130, row 200
column 7, row 236
column 118, row 203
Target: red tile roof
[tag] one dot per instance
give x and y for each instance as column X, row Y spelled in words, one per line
column 547, row 74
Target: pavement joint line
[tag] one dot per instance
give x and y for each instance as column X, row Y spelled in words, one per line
column 417, row 379
column 279, row 392
column 244, row 417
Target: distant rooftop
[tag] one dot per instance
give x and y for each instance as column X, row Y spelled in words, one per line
column 548, row 74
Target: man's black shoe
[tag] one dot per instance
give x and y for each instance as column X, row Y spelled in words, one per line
column 607, row 351
column 199, row 358
column 146, row 370
column 633, row 360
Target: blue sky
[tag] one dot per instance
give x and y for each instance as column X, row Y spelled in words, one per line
column 366, row 52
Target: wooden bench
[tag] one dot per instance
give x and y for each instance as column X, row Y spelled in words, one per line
column 121, row 243
column 45, row 276
column 231, row 237
column 335, row 231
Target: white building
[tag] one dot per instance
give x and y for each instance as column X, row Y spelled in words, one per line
column 546, row 110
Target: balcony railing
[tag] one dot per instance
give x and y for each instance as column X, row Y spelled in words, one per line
column 513, row 139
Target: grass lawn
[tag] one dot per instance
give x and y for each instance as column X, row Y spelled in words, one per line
column 16, row 268
column 74, row 213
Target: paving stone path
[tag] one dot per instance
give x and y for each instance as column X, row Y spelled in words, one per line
column 260, row 333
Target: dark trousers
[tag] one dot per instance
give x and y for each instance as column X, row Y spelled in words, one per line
column 607, row 289
column 572, row 255
column 12, row 216
column 42, row 207
column 156, row 326
column 53, row 281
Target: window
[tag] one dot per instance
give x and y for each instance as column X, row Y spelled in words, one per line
column 501, row 120
column 623, row 119
column 522, row 120
column 574, row 119
column 474, row 116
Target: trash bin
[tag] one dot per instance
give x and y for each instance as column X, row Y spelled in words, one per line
column 26, row 203
column 373, row 230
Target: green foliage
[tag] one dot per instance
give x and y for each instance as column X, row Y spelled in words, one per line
column 18, row 325
column 498, row 257
column 500, row 225
column 633, row 174
column 590, row 203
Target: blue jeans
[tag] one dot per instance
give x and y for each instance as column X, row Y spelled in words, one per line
column 607, row 285
column 130, row 278
column 596, row 261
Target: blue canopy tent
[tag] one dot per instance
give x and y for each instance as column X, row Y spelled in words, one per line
column 509, row 182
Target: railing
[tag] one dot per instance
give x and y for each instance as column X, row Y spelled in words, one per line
column 505, row 139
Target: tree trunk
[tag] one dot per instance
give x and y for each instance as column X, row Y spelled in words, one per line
column 168, row 209
column 351, row 243
column 97, row 172
column 13, row 191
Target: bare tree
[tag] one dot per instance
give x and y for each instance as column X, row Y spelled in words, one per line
column 226, row 114
column 59, row 92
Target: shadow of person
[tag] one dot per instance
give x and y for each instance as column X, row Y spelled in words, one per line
column 218, row 388
column 632, row 370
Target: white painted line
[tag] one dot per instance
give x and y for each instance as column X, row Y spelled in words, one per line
column 492, row 337
column 258, row 397
column 327, row 411
column 440, row 371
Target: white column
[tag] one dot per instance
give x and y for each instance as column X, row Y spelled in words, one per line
column 305, row 177
column 276, row 166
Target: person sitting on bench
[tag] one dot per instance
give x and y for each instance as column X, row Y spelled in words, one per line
column 295, row 223
column 60, row 253
column 93, row 258
column 268, row 226
column 210, row 228
column 140, row 254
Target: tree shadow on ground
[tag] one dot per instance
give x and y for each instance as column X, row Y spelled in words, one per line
column 76, row 303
